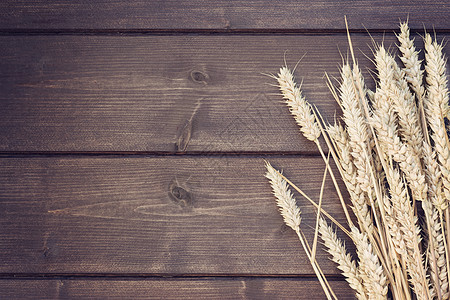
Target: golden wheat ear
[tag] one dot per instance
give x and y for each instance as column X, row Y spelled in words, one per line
column 342, row 258
column 292, row 217
column 299, row 107
column 285, row 199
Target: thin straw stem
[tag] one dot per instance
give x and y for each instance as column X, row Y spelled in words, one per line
column 316, row 232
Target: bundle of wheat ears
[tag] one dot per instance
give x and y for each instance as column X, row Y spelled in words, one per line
column 391, row 148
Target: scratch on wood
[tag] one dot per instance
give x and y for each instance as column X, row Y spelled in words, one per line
column 57, row 211
column 243, row 289
column 45, row 248
column 59, row 285
column 186, row 131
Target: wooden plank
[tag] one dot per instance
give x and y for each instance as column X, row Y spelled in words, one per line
column 162, row 93
column 202, row 288
column 154, row 215
column 222, row 14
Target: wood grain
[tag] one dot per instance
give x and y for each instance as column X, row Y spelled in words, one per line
column 154, row 215
column 98, row 98
column 223, row 14
column 162, row 93
column 203, row 288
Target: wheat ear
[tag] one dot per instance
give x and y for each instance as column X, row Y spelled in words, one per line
column 406, row 109
column 410, row 59
column 365, row 96
column 356, row 126
column 436, row 203
column 407, row 222
column 385, row 123
column 349, row 174
column 285, row 199
column 413, row 71
column 370, row 269
column 314, row 203
column 340, row 256
column 292, row 217
column 436, row 106
column 397, row 245
column 307, row 121
column 436, row 248
column 299, row 107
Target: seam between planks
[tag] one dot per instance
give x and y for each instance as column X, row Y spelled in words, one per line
column 122, row 276
column 206, row 32
column 159, row 154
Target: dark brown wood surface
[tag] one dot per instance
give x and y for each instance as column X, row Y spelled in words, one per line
column 163, row 93
column 224, row 15
column 190, row 288
column 133, row 138
column 153, row 215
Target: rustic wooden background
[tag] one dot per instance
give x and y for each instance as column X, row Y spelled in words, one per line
column 132, row 139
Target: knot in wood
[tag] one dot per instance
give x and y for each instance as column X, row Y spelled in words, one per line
column 179, row 195
column 199, row 77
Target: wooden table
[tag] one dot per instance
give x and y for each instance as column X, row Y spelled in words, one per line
column 132, row 139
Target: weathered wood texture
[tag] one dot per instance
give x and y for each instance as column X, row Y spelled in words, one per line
column 162, row 93
column 203, row 288
column 154, row 215
column 155, row 78
column 223, row 14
